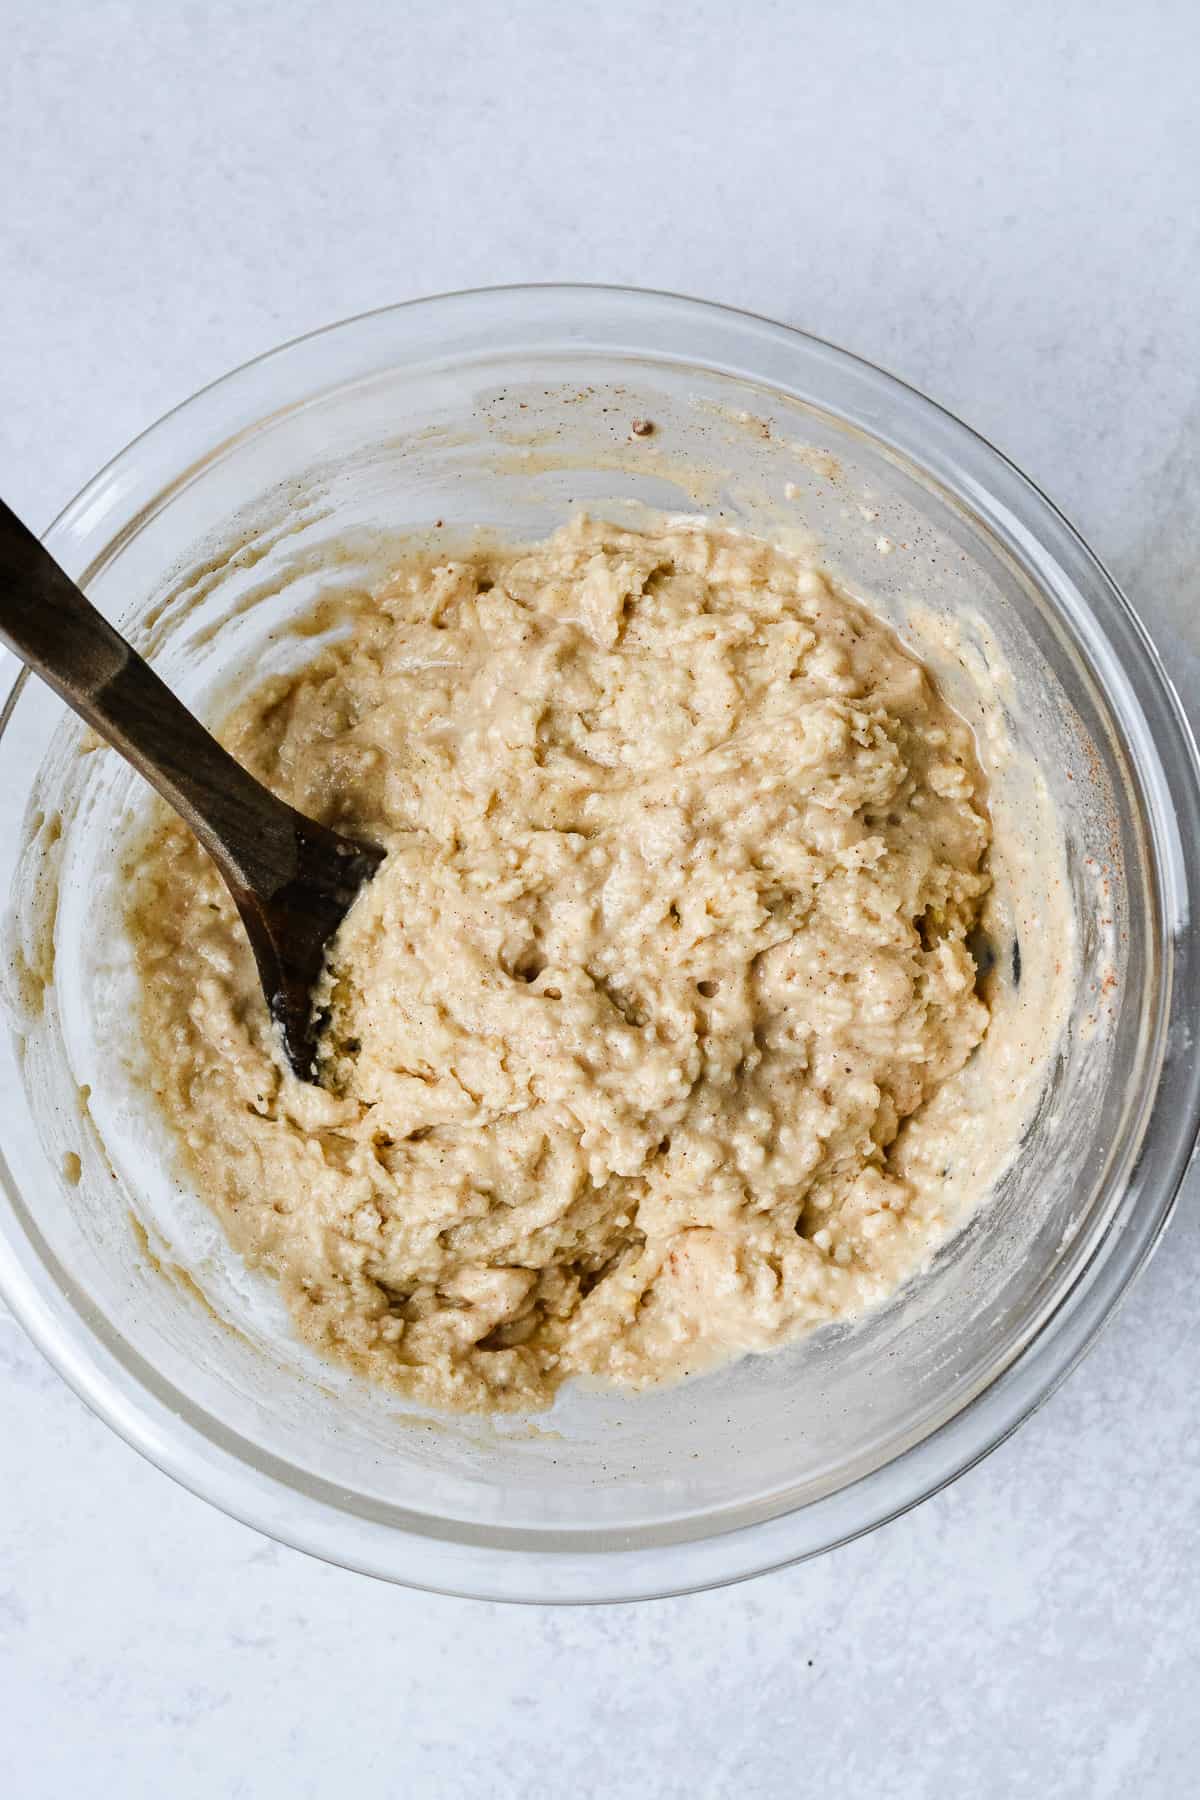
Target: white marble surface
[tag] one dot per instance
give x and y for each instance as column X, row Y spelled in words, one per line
column 999, row 201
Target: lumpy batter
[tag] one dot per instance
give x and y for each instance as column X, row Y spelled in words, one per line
column 631, row 1038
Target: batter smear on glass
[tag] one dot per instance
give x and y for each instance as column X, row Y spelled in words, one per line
column 632, row 1038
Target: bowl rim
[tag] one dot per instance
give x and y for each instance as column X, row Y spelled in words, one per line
column 132, row 1401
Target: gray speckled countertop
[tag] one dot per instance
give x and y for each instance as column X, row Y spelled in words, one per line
column 999, row 201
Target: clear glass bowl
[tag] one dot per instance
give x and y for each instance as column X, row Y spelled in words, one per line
column 508, row 408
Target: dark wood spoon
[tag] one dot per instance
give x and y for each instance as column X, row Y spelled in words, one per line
column 292, row 880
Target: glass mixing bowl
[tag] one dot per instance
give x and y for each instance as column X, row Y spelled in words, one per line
column 508, row 408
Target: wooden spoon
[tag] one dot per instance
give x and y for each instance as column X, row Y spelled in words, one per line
column 292, row 880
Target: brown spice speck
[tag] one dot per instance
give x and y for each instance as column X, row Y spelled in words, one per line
column 642, row 427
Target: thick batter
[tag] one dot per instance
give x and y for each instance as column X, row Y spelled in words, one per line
column 632, row 1037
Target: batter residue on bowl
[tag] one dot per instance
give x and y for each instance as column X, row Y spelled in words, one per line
column 632, row 1037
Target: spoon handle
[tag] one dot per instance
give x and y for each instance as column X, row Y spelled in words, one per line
column 51, row 626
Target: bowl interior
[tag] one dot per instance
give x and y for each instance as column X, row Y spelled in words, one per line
column 511, row 440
